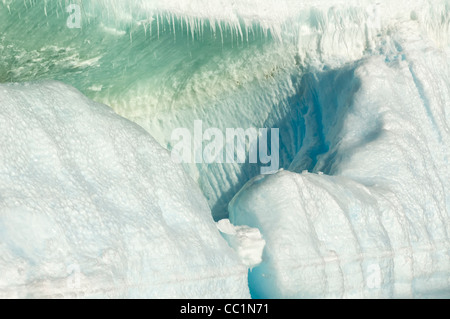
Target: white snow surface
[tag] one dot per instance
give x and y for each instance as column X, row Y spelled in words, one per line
column 246, row 241
column 92, row 206
column 372, row 218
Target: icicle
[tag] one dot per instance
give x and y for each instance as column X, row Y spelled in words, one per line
column 221, row 32
column 232, row 34
column 192, row 29
column 197, row 27
column 174, row 29
column 157, row 23
column 212, row 26
column 150, row 25
column 163, row 24
column 240, row 32
column 246, row 33
column 181, row 22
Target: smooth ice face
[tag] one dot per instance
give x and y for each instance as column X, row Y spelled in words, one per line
column 373, row 217
column 92, row 206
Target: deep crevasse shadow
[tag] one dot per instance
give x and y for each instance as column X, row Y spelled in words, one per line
column 318, row 108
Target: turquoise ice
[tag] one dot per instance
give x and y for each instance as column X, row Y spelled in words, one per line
column 358, row 89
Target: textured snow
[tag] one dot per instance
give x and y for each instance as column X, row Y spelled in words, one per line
column 246, row 241
column 372, row 219
column 92, row 206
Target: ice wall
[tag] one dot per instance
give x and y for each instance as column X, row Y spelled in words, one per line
column 359, row 90
column 92, row 206
column 372, row 218
column 164, row 64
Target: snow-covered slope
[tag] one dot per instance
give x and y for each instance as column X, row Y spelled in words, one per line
column 373, row 217
column 92, row 206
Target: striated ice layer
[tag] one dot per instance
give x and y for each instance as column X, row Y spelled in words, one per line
column 372, row 217
column 92, row 206
column 232, row 64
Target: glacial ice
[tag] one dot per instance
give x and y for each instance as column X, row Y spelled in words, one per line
column 246, row 241
column 166, row 63
column 372, row 217
column 358, row 88
column 92, row 206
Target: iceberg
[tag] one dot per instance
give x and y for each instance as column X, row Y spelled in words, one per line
column 371, row 218
column 91, row 206
column 231, row 64
column 357, row 89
